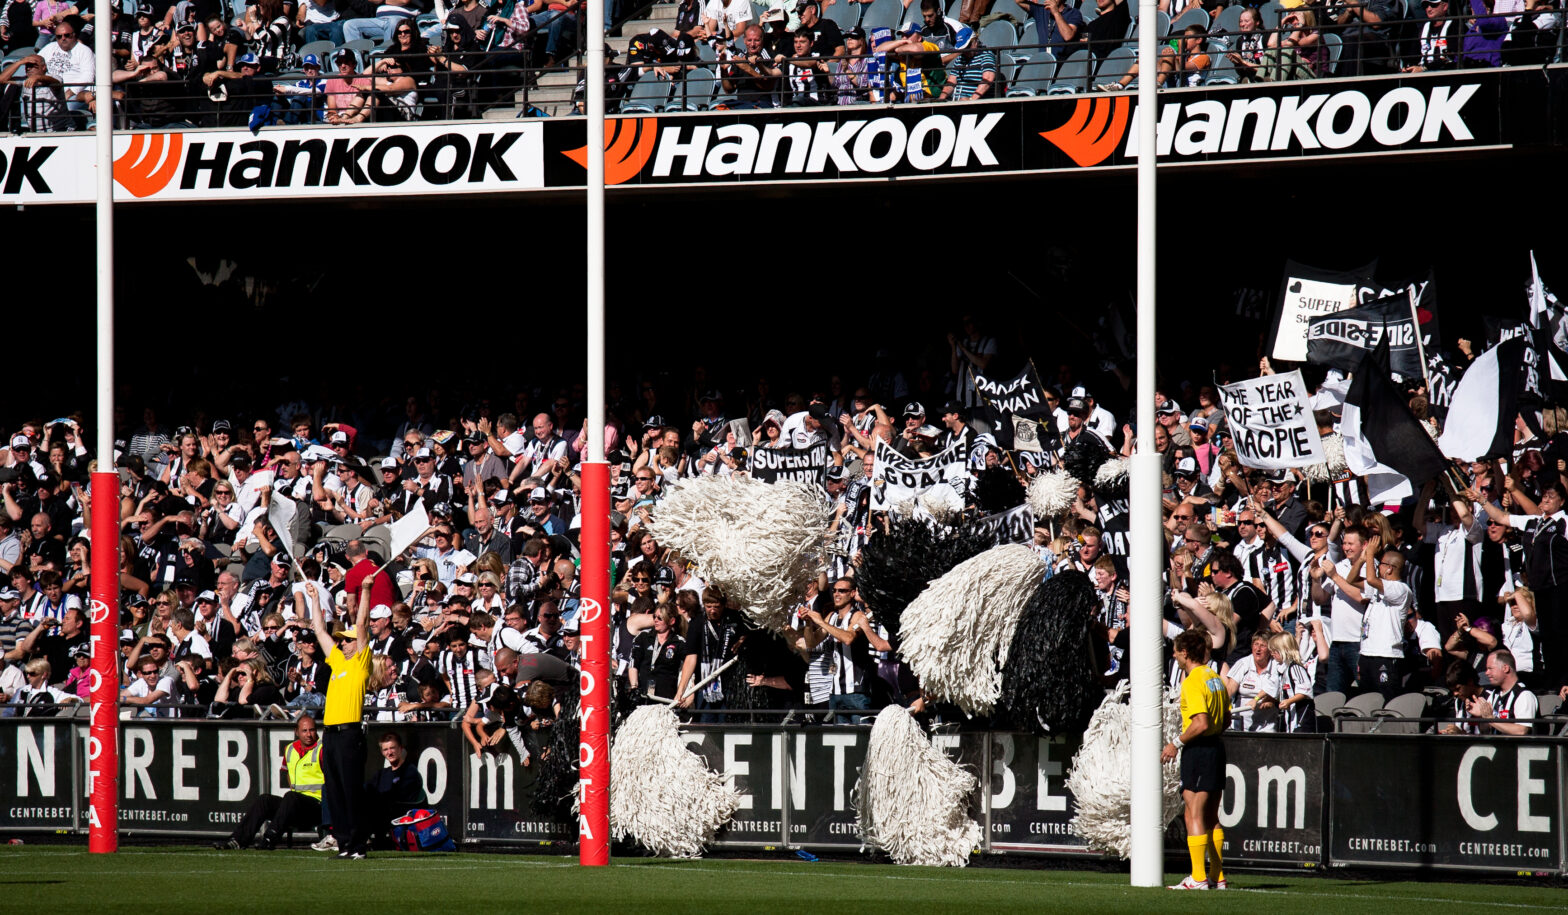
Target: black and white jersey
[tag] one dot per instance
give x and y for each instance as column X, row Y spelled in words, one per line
column 1517, row 704
column 459, row 674
column 1276, row 569
column 848, row 664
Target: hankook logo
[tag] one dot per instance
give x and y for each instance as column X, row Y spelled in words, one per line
column 149, row 162
column 1340, row 120
column 689, row 148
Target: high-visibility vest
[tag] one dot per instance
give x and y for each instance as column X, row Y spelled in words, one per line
column 305, row 770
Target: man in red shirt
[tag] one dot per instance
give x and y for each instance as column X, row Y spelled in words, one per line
column 381, row 591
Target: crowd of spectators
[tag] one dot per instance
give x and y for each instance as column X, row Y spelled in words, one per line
column 1304, row 587
column 209, row 62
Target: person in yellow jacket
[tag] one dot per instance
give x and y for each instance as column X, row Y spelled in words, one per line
column 297, row 808
column 1205, row 713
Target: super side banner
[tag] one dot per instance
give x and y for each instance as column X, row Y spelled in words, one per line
column 1270, row 419
column 1048, row 134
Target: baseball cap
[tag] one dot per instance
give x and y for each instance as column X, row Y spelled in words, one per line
column 1076, row 405
column 187, row 27
column 1187, row 467
column 309, row 60
column 914, row 408
column 952, row 406
column 21, row 441
column 654, row 422
column 9, row 594
column 835, row 472
column 856, row 32
column 380, row 612
column 422, row 453
column 477, row 438
column 250, row 60
column 467, row 578
column 963, row 38
column 222, row 425
column 570, row 627
column 339, row 438
column 1167, row 408
column 911, row 29
column 207, row 596
column 389, row 463
column 348, row 632
column 1199, row 424
column 80, row 651
column 1081, row 391
column 664, row 577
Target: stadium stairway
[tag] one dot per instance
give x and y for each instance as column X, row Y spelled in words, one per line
column 553, row 95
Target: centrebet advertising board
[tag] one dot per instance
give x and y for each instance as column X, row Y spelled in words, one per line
column 1493, row 805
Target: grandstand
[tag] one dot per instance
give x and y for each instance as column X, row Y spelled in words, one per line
column 431, row 249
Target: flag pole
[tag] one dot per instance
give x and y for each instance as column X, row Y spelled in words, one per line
column 1146, row 777
column 594, row 747
column 103, row 749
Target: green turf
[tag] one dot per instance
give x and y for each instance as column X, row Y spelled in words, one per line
column 168, row 880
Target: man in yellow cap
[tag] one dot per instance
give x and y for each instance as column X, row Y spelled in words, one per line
column 1205, row 713
column 299, row 807
column 343, row 753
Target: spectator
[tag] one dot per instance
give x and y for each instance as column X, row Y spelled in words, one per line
column 298, row 808
column 727, row 21
column 1104, row 33
column 1438, row 43
column 70, row 61
column 347, row 94
column 1056, row 23
column 1367, row 29
column 379, row 27
column 151, row 692
column 558, row 19
column 1484, row 35
column 972, row 74
column 1507, row 704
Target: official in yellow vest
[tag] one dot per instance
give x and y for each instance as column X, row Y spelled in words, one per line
column 297, row 808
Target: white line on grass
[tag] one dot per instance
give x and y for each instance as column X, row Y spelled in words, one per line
column 1336, row 893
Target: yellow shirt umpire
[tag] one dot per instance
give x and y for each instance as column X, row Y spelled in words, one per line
column 1205, row 713
column 343, row 743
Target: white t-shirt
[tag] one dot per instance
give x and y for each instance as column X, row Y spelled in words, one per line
column 1448, row 566
column 1427, row 637
column 1344, row 614
column 141, row 690
column 1250, row 683
column 728, row 15
column 1520, row 642
column 1383, row 622
column 73, row 66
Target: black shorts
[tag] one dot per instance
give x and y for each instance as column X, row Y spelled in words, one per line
column 1203, row 765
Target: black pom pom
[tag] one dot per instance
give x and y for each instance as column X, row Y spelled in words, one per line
column 997, row 489
column 1050, row 684
column 1083, row 458
column 897, row 564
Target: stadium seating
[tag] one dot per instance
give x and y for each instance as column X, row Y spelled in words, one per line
column 1400, row 713
column 1271, row 12
column 999, row 34
column 1072, row 74
column 1194, row 16
column 1229, row 20
column 1034, row 77
column 882, row 14
column 845, row 14
column 1361, row 707
column 1116, row 65
column 323, row 52
column 694, row 93
column 1221, row 71
column 1336, row 46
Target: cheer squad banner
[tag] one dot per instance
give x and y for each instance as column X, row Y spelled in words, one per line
column 1471, row 109
column 1450, row 802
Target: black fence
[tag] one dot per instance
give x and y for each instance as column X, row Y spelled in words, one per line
column 1438, row 803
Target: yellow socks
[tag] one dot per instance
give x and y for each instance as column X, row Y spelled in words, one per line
column 1217, row 842
column 1196, row 846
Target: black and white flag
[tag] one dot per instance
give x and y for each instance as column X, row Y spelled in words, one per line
column 1485, row 404
column 808, row 465
column 896, row 479
column 1271, row 422
column 1384, row 442
column 1305, row 293
column 1549, row 320
column 1342, row 339
column 1021, row 396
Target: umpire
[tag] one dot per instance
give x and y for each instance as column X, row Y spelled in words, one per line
column 343, row 745
column 1205, row 713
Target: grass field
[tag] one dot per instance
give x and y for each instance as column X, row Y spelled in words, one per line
column 166, row 880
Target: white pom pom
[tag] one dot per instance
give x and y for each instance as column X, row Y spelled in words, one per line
column 1334, row 450
column 912, row 800
column 943, row 502
column 1111, row 474
column 661, row 793
column 1100, row 779
column 1052, row 493
column 758, row 542
column 957, row 632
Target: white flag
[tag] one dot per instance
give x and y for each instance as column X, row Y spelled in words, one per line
column 407, row 530
column 280, row 512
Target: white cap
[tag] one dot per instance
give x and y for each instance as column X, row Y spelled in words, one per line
column 380, row 612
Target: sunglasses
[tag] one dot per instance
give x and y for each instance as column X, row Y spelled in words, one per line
column 1318, row 534
column 843, row 590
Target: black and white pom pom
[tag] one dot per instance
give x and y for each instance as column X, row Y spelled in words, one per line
column 1100, row 777
column 912, row 800
column 1052, row 493
column 957, row 633
column 1049, row 683
column 1110, row 481
column 661, row 793
column 896, row 564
